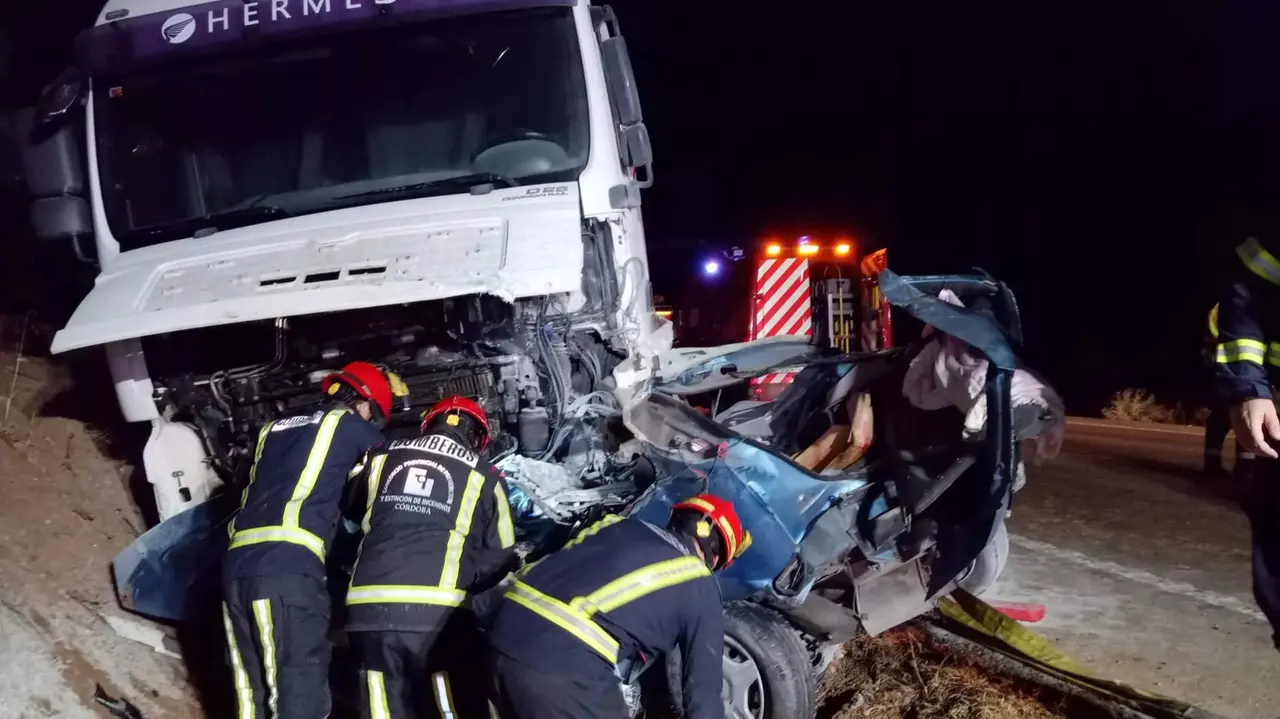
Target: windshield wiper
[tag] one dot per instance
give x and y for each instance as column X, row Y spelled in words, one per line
column 237, row 217
column 253, row 212
column 205, row 225
column 479, row 183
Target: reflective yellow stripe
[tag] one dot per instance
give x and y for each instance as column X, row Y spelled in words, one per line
column 444, row 694
column 315, row 462
column 1259, row 261
column 405, row 594
column 566, row 617
column 1273, row 354
column 646, row 580
column 1241, row 351
column 253, row 474
column 244, row 690
column 375, row 476
column 458, row 537
column 726, row 531
column 379, row 707
column 292, row 535
column 700, row 503
column 506, row 532
column 1213, row 322
column 371, row 489
column 262, row 614
column 607, row 521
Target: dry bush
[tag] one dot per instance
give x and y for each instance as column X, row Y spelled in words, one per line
column 905, row 674
column 1139, row 405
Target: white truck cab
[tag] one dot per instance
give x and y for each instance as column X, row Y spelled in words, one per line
column 273, row 188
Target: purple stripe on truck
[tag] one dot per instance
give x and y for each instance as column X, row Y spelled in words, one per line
column 203, row 26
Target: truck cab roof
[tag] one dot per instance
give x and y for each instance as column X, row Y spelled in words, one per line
column 129, row 32
column 120, row 9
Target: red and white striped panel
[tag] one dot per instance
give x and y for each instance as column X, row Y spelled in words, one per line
column 782, row 305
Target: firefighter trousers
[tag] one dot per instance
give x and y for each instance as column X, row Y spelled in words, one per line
column 414, row 675
column 278, row 641
column 1262, row 506
column 522, row 692
column 1216, row 427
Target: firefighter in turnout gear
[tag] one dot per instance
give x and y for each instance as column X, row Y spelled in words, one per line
column 1248, row 351
column 275, row 601
column 437, row 529
column 620, row 590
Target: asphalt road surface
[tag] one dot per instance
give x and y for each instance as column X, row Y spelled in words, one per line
column 1144, row 568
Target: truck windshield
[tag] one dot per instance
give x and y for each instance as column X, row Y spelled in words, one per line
column 348, row 119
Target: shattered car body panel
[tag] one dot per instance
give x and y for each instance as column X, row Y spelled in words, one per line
column 776, row 500
column 171, row 571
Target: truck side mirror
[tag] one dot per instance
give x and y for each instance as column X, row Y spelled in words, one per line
column 633, row 136
column 51, row 162
column 622, row 81
column 635, row 145
column 53, row 166
column 60, row 218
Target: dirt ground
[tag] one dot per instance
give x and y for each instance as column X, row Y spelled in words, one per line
column 66, row 511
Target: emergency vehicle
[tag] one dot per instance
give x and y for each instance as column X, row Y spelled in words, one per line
column 821, row 288
column 810, row 286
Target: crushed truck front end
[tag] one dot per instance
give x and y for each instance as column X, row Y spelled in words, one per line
column 272, row 188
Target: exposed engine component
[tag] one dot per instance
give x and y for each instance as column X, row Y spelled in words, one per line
column 535, row 429
column 543, row 489
column 538, row 378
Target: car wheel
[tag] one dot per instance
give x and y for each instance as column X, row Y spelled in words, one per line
column 768, row 673
column 989, row 565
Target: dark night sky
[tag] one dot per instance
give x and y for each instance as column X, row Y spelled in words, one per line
column 1091, row 155
column 1076, row 154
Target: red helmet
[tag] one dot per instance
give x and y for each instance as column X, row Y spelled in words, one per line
column 722, row 516
column 462, row 405
column 367, row 380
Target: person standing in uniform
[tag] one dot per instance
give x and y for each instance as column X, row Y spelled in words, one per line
column 1248, row 348
column 437, row 529
column 275, row 602
column 621, row 589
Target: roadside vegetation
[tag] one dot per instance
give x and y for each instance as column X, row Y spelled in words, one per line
column 1139, row 405
column 904, row 673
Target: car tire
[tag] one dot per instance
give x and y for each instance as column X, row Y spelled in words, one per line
column 759, row 639
column 989, row 565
